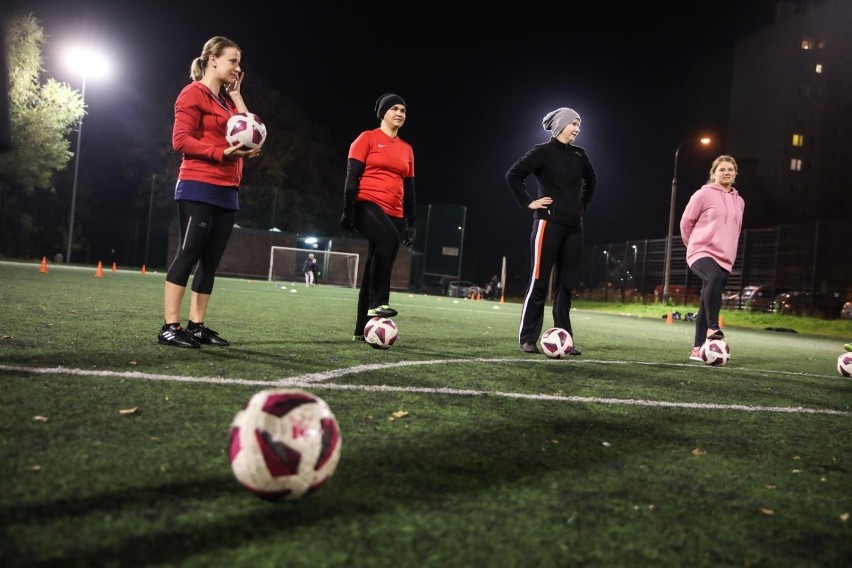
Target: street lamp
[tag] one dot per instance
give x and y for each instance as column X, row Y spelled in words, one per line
column 668, row 262
column 87, row 63
column 634, row 264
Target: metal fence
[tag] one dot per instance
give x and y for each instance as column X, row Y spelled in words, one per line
column 813, row 258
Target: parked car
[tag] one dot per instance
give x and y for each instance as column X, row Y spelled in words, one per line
column 803, row 303
column 463, row 289
column 752, row 298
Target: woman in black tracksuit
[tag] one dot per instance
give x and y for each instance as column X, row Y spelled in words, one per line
column 566, row 184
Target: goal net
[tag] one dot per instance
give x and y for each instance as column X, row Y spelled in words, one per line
column 338, row 268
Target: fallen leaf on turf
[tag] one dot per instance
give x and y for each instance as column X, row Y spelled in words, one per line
column 128, row 410
column 844, row 517
column 133, row 362
column 605, row 444
column 770, row 486
column 767, row 512
column 797, row 471
column 35, row 468
column 797, row 457
column 5, row 337
column 398, row 414
column 40, row 418
column 698, row 452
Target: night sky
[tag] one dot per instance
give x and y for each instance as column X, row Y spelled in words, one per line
column 477, row 85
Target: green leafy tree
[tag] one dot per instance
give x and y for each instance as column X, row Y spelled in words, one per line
column 41, row 116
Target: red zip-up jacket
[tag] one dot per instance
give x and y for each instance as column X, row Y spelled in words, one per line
column 199, row 133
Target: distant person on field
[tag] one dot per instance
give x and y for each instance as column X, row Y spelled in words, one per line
column 207, row 190
column 566, row 184
column 710, row 228
column 310, row 269
column 378, row 202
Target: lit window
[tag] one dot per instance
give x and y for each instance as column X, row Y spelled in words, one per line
column 796, row 165
column 818, row 68
column 798, row 140
column 807, row 43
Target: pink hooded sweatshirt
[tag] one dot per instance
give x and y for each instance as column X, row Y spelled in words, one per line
column 711, row 223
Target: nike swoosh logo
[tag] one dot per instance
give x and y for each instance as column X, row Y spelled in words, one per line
column 382, row 145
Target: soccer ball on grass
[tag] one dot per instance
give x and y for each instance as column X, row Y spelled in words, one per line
column 715, row 352
column 844, row 364
column 556, row 342
column 245, row 128
column 380, row 332
column 284, row 444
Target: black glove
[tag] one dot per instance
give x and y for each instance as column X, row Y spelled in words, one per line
column 347, row 220
column 410, row 236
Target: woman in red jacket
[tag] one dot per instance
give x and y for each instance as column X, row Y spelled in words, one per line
column 207, row 190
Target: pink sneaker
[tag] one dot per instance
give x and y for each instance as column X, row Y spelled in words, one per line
column 696, row 354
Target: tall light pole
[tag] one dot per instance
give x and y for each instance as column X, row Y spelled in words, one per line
column 668, row 261
column 87, row 63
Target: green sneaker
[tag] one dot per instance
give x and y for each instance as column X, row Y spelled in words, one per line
column 384, row 311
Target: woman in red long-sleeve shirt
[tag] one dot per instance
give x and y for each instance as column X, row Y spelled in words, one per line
column 207, row 190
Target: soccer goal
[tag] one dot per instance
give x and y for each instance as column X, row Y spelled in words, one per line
column 338, row 268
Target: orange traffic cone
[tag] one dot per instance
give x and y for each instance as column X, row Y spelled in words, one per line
column 669, row 319
column 43, row 264
column 501, row 299
column 721, row 321
column 99, row 273
column 114, row 268
column 143, row 270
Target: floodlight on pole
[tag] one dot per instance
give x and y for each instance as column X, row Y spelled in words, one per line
column 668, row 262
column 87, row 63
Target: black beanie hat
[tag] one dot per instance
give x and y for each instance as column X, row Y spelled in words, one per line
column 385, row 102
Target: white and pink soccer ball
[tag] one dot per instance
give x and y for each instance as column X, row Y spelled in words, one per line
column 245, row 128
column 380, row 332
column 844, row 364
column 715, row 352
column 285, row 443
column 556, row 342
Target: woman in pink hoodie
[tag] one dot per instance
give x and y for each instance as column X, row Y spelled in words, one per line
column 710, row 229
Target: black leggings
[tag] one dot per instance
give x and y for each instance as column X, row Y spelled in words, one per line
column 384, row 234
column 713, row 280
column 204, row 233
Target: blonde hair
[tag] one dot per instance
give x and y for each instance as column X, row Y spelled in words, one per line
column 214, row 46
column 719, row 160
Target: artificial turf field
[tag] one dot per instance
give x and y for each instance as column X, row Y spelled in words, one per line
column 458, row 449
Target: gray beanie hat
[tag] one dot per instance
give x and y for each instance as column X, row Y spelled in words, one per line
column 556, row 120
column 385, row 102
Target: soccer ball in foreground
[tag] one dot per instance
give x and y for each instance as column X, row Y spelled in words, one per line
column 245, row 128
column 284, row 443
column 715, row 352
column 556, row 342
column 380, row 333
column 844, row 364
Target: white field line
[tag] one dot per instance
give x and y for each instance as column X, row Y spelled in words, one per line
column 313, row 380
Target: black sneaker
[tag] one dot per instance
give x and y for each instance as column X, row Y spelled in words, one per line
column 715, row 334
column 176, row 336
column 574, row 351
column 384, row 311
column 203, row 334
column 357, row 337
column 529, row 347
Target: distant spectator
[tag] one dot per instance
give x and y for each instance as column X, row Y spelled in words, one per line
column 310, row 269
